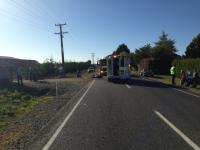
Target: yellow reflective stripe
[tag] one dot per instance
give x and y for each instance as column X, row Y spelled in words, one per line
column 124, row 69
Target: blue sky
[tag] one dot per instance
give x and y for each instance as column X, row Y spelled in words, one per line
column 99, row 26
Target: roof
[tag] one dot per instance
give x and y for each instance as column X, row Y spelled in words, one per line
column 11, row 62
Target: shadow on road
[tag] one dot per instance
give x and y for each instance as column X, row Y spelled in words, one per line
column 146, row 83
column 143, row 83
column 157, row 77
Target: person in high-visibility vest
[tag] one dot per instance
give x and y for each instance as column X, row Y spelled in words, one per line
column 173, row 73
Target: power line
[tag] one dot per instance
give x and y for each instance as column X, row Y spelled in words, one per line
column 47, row 10
column 42, row 9
column 22, row 8
column 37, row 15
column 19, row 19
column 29, row 14
column 61, row 33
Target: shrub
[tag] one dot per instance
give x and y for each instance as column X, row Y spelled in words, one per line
column 187, row 64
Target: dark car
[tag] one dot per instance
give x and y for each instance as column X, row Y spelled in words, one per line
column 146, row 73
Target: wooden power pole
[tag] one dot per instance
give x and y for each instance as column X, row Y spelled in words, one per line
column 61, row 33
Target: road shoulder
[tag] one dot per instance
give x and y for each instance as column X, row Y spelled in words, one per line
column 175, row 87
column 48, row 130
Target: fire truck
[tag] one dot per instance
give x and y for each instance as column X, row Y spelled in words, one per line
column 118, row 67
column 102, row 67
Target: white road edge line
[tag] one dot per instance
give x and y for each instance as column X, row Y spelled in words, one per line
column 128, row 86
column 179, row 132
column 187, row 93
column 52, row 139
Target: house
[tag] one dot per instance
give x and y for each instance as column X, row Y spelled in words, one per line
column 146, row 63
column 9, row 66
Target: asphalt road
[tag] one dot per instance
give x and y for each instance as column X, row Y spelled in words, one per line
column 141, row 115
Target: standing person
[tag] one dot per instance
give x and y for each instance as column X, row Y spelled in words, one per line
column 78, row 73
column 30, row 73
column 173, row 74
column 19, row 76
column 183, row 78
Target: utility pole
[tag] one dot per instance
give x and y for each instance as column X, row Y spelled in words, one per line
column 61, row 40
column 93, row 54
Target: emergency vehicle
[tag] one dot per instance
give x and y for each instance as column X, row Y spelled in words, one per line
column 118, row 67
column 102, row 67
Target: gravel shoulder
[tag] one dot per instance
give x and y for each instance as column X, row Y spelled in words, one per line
column 21, row 131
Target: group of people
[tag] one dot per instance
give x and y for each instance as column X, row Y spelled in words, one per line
column 31, row 75
column 187, row 78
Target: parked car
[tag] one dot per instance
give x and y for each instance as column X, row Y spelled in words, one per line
column 90, row 69
column 146, row 73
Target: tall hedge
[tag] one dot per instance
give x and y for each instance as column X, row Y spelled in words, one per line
column 187, row 64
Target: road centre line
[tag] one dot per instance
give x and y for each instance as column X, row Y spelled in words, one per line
column 52, row 139
column 128, row 86
column 188, row 93
column 179, row 132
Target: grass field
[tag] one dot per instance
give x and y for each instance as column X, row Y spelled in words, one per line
column 24, row 110
column 14, row 103
column 18, row 100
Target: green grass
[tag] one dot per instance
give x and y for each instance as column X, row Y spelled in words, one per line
column 167, row 79
column 14, row 103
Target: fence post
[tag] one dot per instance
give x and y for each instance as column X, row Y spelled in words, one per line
column 56, row 90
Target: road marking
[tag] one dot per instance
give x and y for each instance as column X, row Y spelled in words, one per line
column 52, row 139
column 128, row 86
column 188, row 93
column 179, row 132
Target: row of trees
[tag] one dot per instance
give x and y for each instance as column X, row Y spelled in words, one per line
column 51, row 68
column 163, row 52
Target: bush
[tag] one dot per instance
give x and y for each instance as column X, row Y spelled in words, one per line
column 71, row 67
column 51, row 68
column 187, row 64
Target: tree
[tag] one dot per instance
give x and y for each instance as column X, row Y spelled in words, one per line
column 165, row 47
column 49, row 68
column 143, row 52
column 122, row 48
column 193, row 49
column 164, row 53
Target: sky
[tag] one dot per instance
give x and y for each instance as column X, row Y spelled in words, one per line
column 27, row 27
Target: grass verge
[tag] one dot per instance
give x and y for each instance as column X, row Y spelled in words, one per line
column 14, row 103
column 167, row 80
